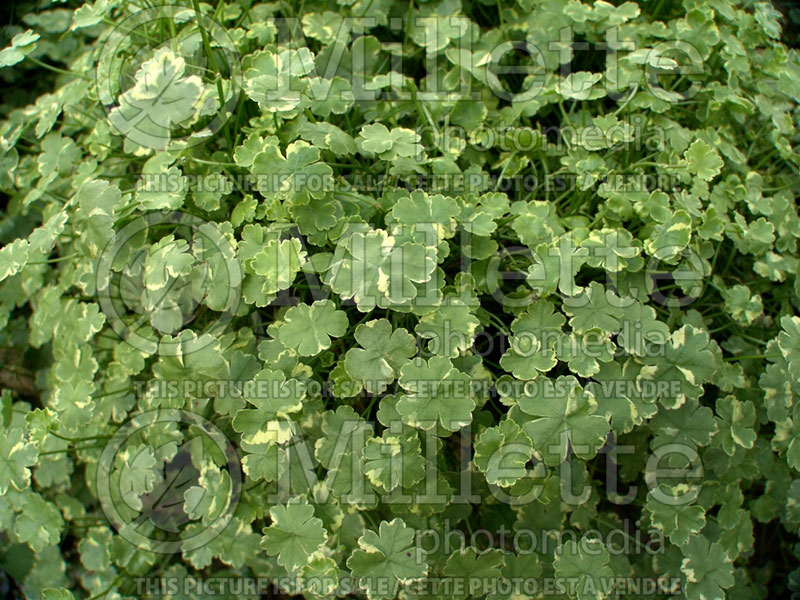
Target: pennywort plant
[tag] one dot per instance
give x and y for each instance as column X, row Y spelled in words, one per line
column 385, row 299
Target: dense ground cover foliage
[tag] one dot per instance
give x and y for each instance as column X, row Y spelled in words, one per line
column 444, row 299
